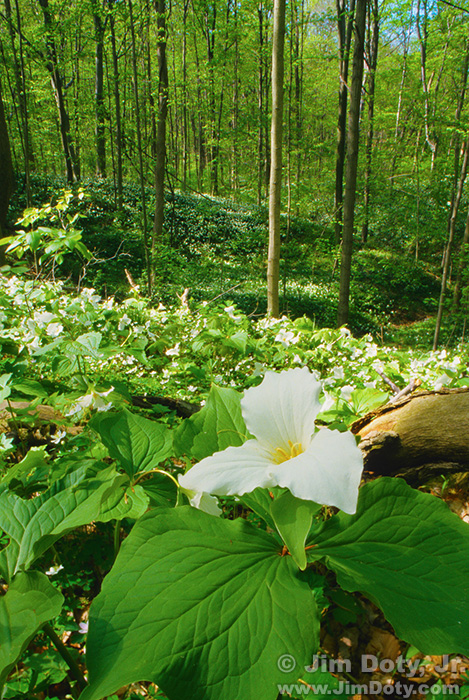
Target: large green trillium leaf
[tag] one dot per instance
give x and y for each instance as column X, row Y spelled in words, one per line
column 217, row 426
column 293, row 518
column 34, row 525
column 206, row 608
column 30, row 601
column 408, row 553
column 136, row 443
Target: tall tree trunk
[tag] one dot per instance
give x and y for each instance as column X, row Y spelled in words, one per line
column 185, row 127
column 199, row 138
column 352, row 162
column 449, row 244
column 99, row 91
column 273, row 262
column 422, row 33
column 397, row 131
column 6, row 174
column 140, row 155
column 210, row 21
column 345, row 18
column 161, row 130
column 52, row 66
column 260, row 141
column 117, row 105
column 457, row 148
column 235, row 109
column 462, row 263
column 20, row 84
column 372, row 63
column 299, row 67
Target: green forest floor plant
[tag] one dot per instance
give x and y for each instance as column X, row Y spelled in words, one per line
column 196, row 604
column 227, row 554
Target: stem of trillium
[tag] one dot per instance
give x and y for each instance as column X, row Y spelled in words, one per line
column 157, row 471
column 66, row 655
column 117, row 537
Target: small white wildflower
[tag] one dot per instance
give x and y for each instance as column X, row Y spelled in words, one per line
column 54, row 329
column 124, row 321
column 346, row 392
column 59, row 436
column 173, row 351
column 43, row 318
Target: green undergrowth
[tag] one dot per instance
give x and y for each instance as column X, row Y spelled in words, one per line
column 218, row 250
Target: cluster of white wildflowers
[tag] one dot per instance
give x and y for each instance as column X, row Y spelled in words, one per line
column 180, row 352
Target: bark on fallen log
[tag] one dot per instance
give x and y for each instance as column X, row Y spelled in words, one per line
column 417, row 437
column 184, row 409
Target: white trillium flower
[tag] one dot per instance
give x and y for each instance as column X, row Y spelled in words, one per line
column 173, row 351
column 324, row 466
column 93, row 400
column 54, row 329
column 203, row 501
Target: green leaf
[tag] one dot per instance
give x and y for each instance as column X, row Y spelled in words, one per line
column 88, row 345
column 30, row 601
column 34, row 525
column 29, row 387
column 217, row 426
column 34, row 459
column 365, row 400
column 138, row 444
column 161, row 490
column 259, row 501
column 130, row 502
column 5, row 387
column 409, row 554
column 203, row 607
column 293, row 518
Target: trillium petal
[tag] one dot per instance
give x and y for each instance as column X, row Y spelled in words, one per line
column 283, row 408
column 203, row 501
column 328, row 472
column 234, row 471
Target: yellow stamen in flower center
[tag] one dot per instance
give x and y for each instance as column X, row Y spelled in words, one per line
column 280, row 455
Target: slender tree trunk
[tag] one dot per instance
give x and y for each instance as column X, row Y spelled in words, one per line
column 422, row 33
column 352, row 163
column 161, row 129
column 20, row 84
column 140, row 155
column 117, row 105
column 6, row 174
column 397, row 130
column 99, row 91
column 372, row 62
column 52, row 66
column 299, row 68
column 185, row 127
column 449, row 244
column 210, row 35
column 273, row 262
column 462, row 263
column 199, row 126
column 235, row 109
column 345, row 18
column 76, row 53
column 260, row 141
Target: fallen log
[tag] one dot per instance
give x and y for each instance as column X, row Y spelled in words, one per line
column 417, row 437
